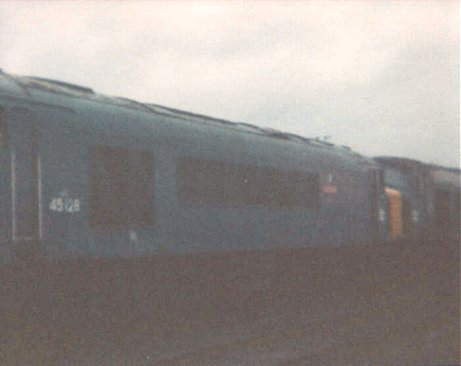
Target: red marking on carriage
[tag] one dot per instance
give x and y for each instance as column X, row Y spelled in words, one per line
column 330, row 189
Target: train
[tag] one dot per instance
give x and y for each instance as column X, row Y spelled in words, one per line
column 422, row 199
column 114, row 211
column 90, row 176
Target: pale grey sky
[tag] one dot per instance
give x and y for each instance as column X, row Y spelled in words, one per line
column 379, row 76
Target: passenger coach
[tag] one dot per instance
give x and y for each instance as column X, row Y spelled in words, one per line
column 85, row 175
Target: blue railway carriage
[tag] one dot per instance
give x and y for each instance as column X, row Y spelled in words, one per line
column 85, row 175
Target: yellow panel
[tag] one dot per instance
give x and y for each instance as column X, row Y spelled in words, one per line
column 395, row 212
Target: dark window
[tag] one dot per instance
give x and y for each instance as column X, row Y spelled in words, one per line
column 122, row 187
column 208, row 182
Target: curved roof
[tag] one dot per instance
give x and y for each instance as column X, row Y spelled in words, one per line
column 27, row 88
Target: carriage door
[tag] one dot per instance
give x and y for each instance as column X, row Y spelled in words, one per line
column 376, row 211
column 4, row 174
column 24, row 176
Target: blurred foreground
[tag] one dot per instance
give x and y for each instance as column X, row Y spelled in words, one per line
column 393, row 304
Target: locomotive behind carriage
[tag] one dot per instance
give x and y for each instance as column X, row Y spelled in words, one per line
column 422, row 199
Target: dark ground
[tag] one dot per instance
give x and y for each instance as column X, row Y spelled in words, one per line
column 396, row 304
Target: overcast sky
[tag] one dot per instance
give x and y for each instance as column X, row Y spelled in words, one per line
column 381, row 77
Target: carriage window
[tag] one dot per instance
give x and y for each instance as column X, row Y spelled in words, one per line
column 209, row 182
column 122, row 187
